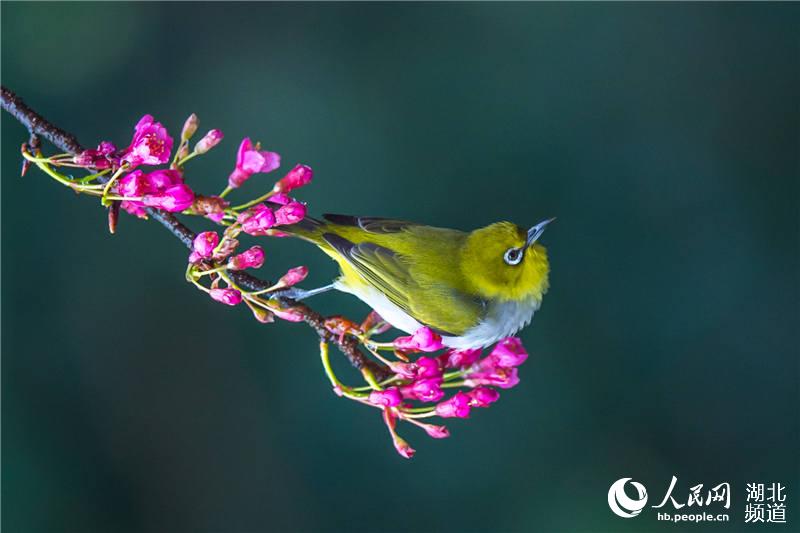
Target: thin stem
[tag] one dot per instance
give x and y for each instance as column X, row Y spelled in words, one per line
column 251, row 203
column 225, row 192
column 187, row 158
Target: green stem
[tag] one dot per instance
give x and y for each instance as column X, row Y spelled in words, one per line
column 251, row 203
column 225, row 192
column 187, row 158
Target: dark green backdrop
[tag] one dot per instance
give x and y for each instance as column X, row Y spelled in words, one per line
column 664, row 137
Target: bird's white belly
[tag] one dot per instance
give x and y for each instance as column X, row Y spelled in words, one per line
column 502, row 319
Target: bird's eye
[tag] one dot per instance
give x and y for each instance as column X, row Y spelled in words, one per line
column 513, row 256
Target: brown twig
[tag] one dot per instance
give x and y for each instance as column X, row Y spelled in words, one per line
column 39, row 126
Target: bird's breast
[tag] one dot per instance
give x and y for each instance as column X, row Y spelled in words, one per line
column 502, row 319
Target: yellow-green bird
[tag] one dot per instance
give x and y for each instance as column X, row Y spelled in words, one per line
column 472, row 288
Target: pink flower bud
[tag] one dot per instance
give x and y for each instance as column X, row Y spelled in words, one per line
column 151, row 145
column 437, row 432
column 489, row 373
column 460, row 358
column 249, row 161
column 400, row 444
column 293, row 276
column 195, row 258
column 205, row 243
column 226, row 296
column 132, row 185
column 385, row 398
column 209, row 141
column 482, row 397
column 375, row 322
column 189, row 127
column 428, row 367
column 290, row 315
column 280, row 199
column 262, row 315
column 404, row 370
column 423, row 340
column 455, row 407
column 252, row 258
column 290, row 213
column 426, row 390
column 174, row 199
column 509, row 352
column 101, row 158
column 402, row 447
column 257, row 220
column 299, row 176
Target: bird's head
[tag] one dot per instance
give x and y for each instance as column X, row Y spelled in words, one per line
column 504, row 261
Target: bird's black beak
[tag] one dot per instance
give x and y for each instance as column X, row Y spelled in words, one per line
column 536, row 231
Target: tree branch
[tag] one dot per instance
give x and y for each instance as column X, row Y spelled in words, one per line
column 39, row 126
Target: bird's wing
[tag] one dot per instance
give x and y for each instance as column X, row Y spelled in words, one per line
column 440, row 308
column 369, row 224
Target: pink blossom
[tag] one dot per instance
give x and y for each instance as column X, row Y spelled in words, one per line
column 426, row 390
column 455, row 407
column 423, row 340
column 488, row 372
column 209, row 141
column 437, row 432
column 252, row 258
column 290, row 213
column 204, row 244
column 132, row 185
column 280, row 199
column 453, row 358
column 257, row 220
column 226, row 296
column 250, row 160
column 159, row 180
column 293, row 276
column 151, row 144
column 482, row 396
column 189, row 127
column 385, row 398
column 101, row 158
column 174, row 199
column 299, row 176
column 509, row 352
column 134, row 208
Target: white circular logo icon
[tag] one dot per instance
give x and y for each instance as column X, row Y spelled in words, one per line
column 621, row 504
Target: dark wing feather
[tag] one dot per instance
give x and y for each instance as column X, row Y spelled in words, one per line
column 430, row 303
column 381, row 267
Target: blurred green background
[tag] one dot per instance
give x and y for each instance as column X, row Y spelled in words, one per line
column 665, row 138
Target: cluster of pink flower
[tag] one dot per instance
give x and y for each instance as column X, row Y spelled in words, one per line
column 165, row 189
column 424, row 380
column 209, row 250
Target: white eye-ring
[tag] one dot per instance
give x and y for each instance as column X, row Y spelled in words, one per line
column 513, row 256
